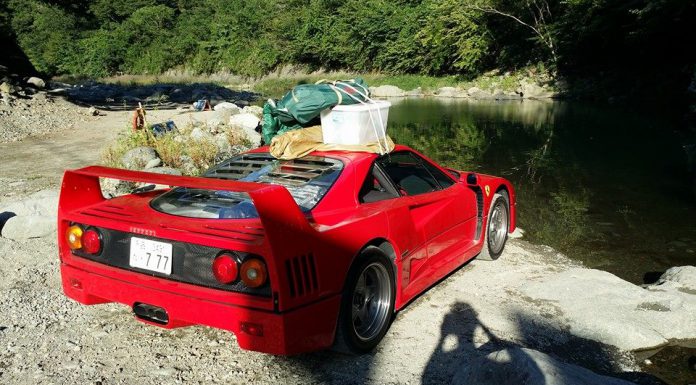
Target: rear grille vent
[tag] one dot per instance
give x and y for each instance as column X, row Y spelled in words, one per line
column 302, row 275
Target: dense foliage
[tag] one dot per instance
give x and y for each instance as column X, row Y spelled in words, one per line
column 606, row 40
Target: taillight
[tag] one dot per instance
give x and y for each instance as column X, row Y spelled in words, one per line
column 253, row 272
column 74, row 237
column 91, row 241
column 225, row 268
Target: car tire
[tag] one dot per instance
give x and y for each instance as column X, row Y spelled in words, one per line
column 367, row 303
column 497, row 226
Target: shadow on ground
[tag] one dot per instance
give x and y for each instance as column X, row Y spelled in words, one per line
column 116, row 97
column 469, row 353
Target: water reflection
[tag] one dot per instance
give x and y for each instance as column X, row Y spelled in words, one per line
column 607, row 186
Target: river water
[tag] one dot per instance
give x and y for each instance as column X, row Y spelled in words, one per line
column 606, row 186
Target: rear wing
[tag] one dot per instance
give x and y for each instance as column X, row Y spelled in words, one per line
column 284, row 223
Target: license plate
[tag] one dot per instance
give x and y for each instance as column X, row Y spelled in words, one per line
column 151, row 255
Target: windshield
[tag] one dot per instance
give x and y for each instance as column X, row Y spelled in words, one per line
column 307, row 179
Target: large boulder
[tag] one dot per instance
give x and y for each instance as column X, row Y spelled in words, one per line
column 41, row 203
column 138, row 157
column 245, row 121
column 682, row 278
column 477, row 93
column 534, row 91
column 602, row 307
column 451, row 92
column 26, row 227
column 386, row 91
column 527, row 367
column 232, row 108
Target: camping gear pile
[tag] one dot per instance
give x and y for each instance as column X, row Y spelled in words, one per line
column 356, row 122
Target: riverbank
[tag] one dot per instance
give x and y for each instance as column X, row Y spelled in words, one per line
column 532, row 81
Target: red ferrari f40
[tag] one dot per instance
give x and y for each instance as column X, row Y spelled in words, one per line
column 290, row 255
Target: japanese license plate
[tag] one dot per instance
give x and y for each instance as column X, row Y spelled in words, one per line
column 151, row 255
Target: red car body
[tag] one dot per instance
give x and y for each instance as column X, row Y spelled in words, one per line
column 307, row 254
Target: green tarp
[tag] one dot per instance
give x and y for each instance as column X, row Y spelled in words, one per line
column 302, row 105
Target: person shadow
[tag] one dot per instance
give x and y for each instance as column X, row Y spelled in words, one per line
column 461, row 355
column 468, row 352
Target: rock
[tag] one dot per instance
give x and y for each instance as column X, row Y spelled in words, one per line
column 534, row 91
column 450, row 92
column 26, row 227
column 36, row 82
column 6, row 88
column 527, row 366
column 232, row 108
column 187, row 165
column 153, row 163
column 222, row 143
column 114, row 187
column 41, row 203
column 254, row 110
column 602, row 307
column 680, row 276
column 386, row 91
column 415, row 92
column 164, row 170
column 93, row 111
column 138, row 157
column 517, row 234
column 477, row 93
column 200, row 134
column 245, row 121
column 197, row 118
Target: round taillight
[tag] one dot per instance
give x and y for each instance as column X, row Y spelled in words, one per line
column 74, row 237
column 91, row 241
column 225, row 268
column 254, row 272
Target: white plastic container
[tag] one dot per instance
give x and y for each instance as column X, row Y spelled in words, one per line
column 355, row 124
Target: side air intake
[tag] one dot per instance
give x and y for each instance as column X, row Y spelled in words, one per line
column 302, row 275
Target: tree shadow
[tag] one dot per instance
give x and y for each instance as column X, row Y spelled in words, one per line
column 117, row 97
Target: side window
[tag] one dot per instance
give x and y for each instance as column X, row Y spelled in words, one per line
column 376, row 188
column 441, row 178
column 408, row 173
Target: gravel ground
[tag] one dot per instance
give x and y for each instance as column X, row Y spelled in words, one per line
column 40, row 114
column 51, row 339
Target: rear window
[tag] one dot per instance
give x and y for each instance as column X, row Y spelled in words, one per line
column 307, row 179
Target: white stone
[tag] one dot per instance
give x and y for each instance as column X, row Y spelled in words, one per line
column 232, row 108
column 26, row 227
column 200, row 134
column 681, row 277
column 36, row 82
column 41, row 203
column 255, row 110
column 245, row 121
column 386, row 91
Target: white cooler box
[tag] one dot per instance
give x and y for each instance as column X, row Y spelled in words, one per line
column 355, row 124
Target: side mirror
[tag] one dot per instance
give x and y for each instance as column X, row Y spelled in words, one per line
column 471, row 179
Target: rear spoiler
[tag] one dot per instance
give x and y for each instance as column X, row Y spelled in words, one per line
column 284, row 223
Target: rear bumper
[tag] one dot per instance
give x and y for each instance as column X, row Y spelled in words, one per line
column 308, row 328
